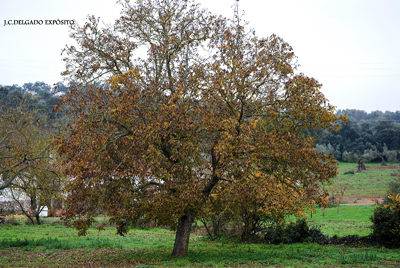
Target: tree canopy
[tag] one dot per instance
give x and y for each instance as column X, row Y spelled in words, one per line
column 29, row 170
column 210, row 109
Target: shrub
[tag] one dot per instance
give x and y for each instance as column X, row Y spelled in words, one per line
column 392, row 157
column 328, row 149
column 12, row 220
column 293, row 232
column 386, row 222
column 369, row 155
column 394, row 189
column 350, row 157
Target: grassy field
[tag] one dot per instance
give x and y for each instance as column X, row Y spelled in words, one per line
column 372, row 182
column 58, row 246
column 351, row 220
column 54, row 245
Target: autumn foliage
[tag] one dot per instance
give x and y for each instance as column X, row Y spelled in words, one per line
column 30, row 170
column 210, row 111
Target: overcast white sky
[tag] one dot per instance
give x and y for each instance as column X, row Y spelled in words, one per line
column 351, row 46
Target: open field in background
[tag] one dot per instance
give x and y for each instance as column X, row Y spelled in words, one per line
column 372, row 182
column 54, row 245
column 351, row 220
column 362, row 188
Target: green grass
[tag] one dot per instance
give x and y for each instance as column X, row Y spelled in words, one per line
column 40, row 246
column 372, row 182
column 67, row 238
column 52, row 244
column 351, row 220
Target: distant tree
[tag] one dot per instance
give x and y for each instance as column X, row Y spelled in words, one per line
column 369, row 155
column 27, row 87
column 27, row 162
column 3, row 93
column 41, row 86
column 13, row 95
column 60, row 88
column 375, row 115
column 392, row 157
column 351, row 157
column 361, row 166
column 383, row 159
column 360, row 115
column 36, row 187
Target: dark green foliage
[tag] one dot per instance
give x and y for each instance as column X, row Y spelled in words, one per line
column 359, row 257
column 364, row 136
column 6, row 243
column 38, row 95
column 54, row 243
column 349, row 240
column 372, row 118
column 386, row 223
column 394, row 188
column 293, row 232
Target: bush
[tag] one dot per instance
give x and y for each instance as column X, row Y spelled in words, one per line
column 369, row 155
column 350, row 157
column 293, row 232
column 394, row 189
column 386, row 223
column 392, row 157
column 328, row 149
column 12, row 220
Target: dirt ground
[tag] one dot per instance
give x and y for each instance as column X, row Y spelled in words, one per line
column 356, row 200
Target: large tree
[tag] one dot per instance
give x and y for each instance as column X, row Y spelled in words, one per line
column 172, row 104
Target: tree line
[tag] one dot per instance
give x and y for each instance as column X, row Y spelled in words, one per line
column 38, row 95
column 366, row 137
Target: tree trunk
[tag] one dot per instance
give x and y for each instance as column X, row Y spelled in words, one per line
column 31, row 219
column 51, row 211
column 37, row 218
column 182, row 235
column 383, row 160
column 246, row 230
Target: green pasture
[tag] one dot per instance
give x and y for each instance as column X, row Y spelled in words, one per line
column 351, row 220
column 54, row 245
column 372, row 182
